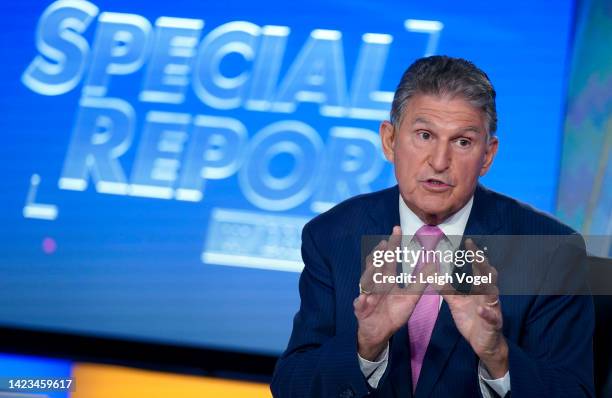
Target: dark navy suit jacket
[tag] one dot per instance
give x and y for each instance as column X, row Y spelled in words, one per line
column 549, row 337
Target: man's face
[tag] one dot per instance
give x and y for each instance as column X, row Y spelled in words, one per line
column 439, row 151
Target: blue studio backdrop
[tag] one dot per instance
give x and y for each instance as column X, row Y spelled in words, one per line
column 160, row 158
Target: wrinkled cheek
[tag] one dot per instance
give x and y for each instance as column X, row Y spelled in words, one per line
column 471, row 180
column 403, row 174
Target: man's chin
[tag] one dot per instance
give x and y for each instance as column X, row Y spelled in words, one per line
column 429, row 209
column 435, row 200
column 437, row 213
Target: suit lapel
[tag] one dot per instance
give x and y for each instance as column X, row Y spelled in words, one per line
column 385, row 213
column 484, row 218
column 399, row 360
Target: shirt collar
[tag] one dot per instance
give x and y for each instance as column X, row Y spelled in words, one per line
column 452, row 226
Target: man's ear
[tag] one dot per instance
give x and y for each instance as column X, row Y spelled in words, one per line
column 387, row 138
column 489, row 155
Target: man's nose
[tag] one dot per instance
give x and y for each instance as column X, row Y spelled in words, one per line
column 440, row 157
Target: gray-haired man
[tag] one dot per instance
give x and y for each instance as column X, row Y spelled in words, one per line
column 348, row 340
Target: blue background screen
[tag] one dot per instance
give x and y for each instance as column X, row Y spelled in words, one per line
column 160, row 159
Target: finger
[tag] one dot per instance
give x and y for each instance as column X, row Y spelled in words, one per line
column 493, row 271
column 480, row 265
column 390, row 265
column 485, row 288
column 484, row 268
column 358, row 304
column 492, row 295
column 442, row 289
column 420, row 284
column 369, row 262
column 395, row 240
column 367, row 278
column 450, row 294
column 491, row 315
column 362, row 307
column 372, row 300
column 480, row 262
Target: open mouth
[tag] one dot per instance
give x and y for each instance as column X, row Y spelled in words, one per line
column 433, row 181
column 436, row 185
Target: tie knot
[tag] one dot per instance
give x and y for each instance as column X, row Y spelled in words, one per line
column 429, row 236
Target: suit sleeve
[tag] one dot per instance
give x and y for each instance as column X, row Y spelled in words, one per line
column 554, row 357
column 318, row 362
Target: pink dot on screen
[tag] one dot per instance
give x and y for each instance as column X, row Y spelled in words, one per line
column 49, row 246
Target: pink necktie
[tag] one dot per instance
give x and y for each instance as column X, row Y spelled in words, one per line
column 423, row 318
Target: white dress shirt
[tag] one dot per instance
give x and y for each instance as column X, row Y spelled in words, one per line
column 453, row 229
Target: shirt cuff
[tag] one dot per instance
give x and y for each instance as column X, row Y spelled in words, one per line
column 373, row 370
column 501, row 386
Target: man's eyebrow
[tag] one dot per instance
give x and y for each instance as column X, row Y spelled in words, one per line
column 421, row 120
column 473, row 129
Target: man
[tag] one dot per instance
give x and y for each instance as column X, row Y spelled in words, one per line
column 349, row 341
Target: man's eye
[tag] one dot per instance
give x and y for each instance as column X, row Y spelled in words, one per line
column 464, row 142
column 424, row 135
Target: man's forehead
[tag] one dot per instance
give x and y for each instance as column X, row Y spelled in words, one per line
column 431, row 110
column 464, row 125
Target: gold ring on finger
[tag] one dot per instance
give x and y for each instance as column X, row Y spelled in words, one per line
column 363, row 291
column 493, row 304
